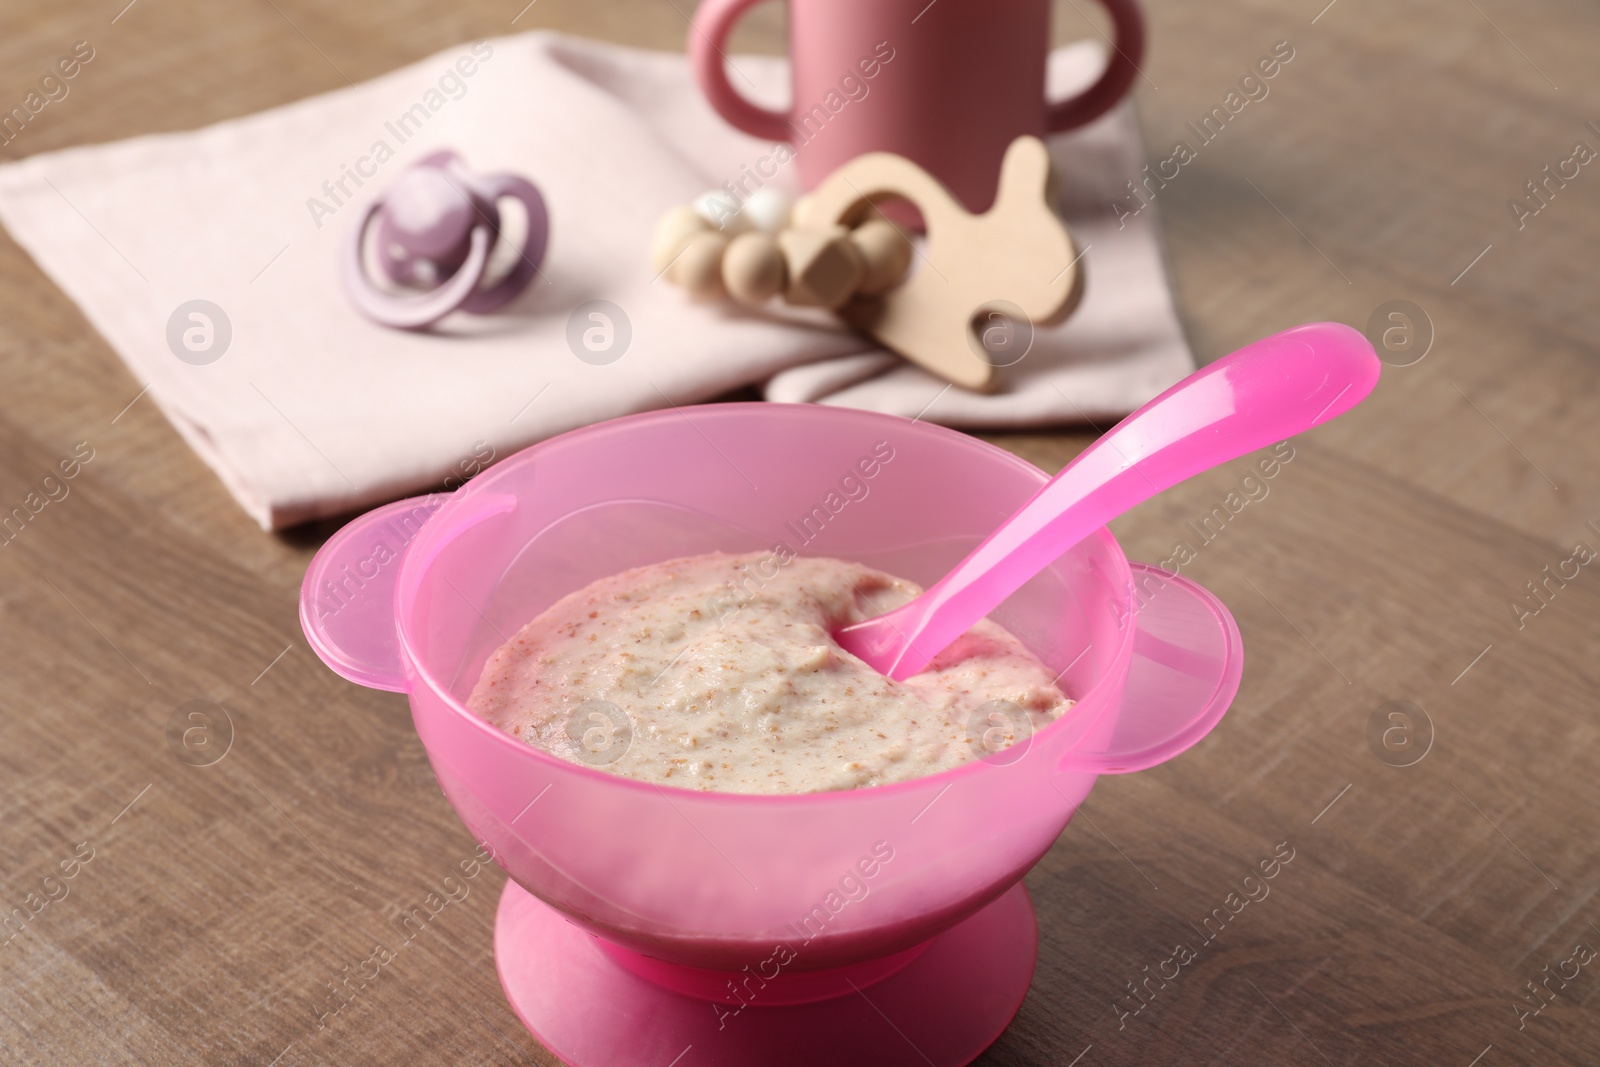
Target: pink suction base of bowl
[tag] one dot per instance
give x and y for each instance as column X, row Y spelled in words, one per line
column 945, row 1007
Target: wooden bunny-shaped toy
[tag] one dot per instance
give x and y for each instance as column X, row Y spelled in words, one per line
column 1017, row 256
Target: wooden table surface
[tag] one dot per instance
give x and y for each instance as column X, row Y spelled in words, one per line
column 209, row 907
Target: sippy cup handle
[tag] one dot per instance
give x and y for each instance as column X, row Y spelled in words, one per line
column 713, row 22
column 1122, row 63
column 1187, row 662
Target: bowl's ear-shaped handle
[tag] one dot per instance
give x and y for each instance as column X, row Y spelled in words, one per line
column 1187, row 661
column 347, row 604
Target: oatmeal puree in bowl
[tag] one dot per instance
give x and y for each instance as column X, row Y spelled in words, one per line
column 727, row 679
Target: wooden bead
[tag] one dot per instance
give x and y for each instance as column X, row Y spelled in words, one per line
column 699, row 267
column 753, row 268
column 673, row 232
column 824, row 266
column 885, row 254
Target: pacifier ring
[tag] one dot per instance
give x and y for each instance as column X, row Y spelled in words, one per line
column 437, row 227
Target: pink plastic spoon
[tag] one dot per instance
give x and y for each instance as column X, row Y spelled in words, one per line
column 1264, row 393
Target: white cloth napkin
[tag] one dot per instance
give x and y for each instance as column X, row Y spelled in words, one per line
column 312, row 410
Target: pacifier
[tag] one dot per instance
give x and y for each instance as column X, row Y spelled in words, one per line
column 437, row 225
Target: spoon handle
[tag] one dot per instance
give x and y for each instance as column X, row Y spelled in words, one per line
column 1263, row 393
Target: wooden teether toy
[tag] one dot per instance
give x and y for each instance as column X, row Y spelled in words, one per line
column 835, row 250
column 748, row 251
column 437, row 225
column 1015, row 257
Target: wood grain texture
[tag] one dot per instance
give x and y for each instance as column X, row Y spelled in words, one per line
column 1381, row 564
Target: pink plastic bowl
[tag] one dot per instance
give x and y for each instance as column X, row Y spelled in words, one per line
column 680, row 884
